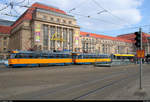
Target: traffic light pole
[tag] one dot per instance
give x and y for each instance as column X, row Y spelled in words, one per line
column 140, row 31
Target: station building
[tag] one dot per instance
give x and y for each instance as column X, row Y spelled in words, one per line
column 145, row 41
column 47, row 28
column 96, row 43
column 4, row 37
column 44, row 27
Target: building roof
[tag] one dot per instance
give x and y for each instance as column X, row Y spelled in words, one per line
column 104, row 37
column 48, row 7
column 5, row 29
column 6, row 26
column 6, row 22
column 131, row 36
column 27, row 15
column 54, row 13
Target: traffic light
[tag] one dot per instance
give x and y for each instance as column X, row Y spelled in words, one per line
column 137, row 39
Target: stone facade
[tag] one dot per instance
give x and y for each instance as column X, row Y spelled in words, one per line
column 4, row 40
column 56, row 32
column 46, row 30
column 145, row 41
column 94, row 43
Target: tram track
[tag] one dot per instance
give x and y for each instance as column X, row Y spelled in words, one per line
column 100, row 91
column 85, row 89
column 103, row 87
column 71, row 90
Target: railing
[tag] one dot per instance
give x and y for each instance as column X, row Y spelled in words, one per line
column 114, row 63
column 121, row 62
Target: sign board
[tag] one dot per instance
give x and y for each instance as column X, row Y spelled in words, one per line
column 37, row 32
column 140, row 53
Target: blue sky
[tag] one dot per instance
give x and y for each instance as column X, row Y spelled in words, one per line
column 118, row 16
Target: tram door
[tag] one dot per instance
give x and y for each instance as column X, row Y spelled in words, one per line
column 74, row 57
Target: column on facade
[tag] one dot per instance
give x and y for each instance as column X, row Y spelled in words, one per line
column 65, row 38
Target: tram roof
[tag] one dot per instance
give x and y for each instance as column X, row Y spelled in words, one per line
column 41, row 52
column 124, row 55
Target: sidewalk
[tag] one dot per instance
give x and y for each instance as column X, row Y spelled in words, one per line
column 129, row 92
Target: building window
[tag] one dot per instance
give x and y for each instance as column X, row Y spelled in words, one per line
column 5, row 43
column 4, row 49
column 59, row 36
column 58, row 20
column 70, row 39
column 52, row 41
column 44, row 17
column 45, row 37
column 103, row 48
column 64, row 21
column 65, row 38
column 52, row 19
column 70, row 22
column 5, row 38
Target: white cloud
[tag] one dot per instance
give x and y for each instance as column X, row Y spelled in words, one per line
column 126, row 10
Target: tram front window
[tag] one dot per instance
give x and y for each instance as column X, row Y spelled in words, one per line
column 12, row 56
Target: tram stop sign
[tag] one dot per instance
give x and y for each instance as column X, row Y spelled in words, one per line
column 140, row 53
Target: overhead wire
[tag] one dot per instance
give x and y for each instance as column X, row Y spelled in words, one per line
column 106, row 10
column 90, row 17
column 4, row 8
column 74, row 8
column 16, row 11
column 20, row 2
column 109, row 11
column 12, row 4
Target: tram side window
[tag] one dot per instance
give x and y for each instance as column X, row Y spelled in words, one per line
column 17, row 56
column 52, row 56
column 13, row 56
column 68, row 56
column 44, row 55
column 79, row 57
column 37, row 56
column 84, row 56
column 57, row 56
column 21, row 56
column 60, row 56
column 31, row 56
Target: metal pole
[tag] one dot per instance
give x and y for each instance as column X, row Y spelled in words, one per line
column 140, row 31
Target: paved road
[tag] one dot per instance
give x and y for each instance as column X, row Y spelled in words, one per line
column 76, row 82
